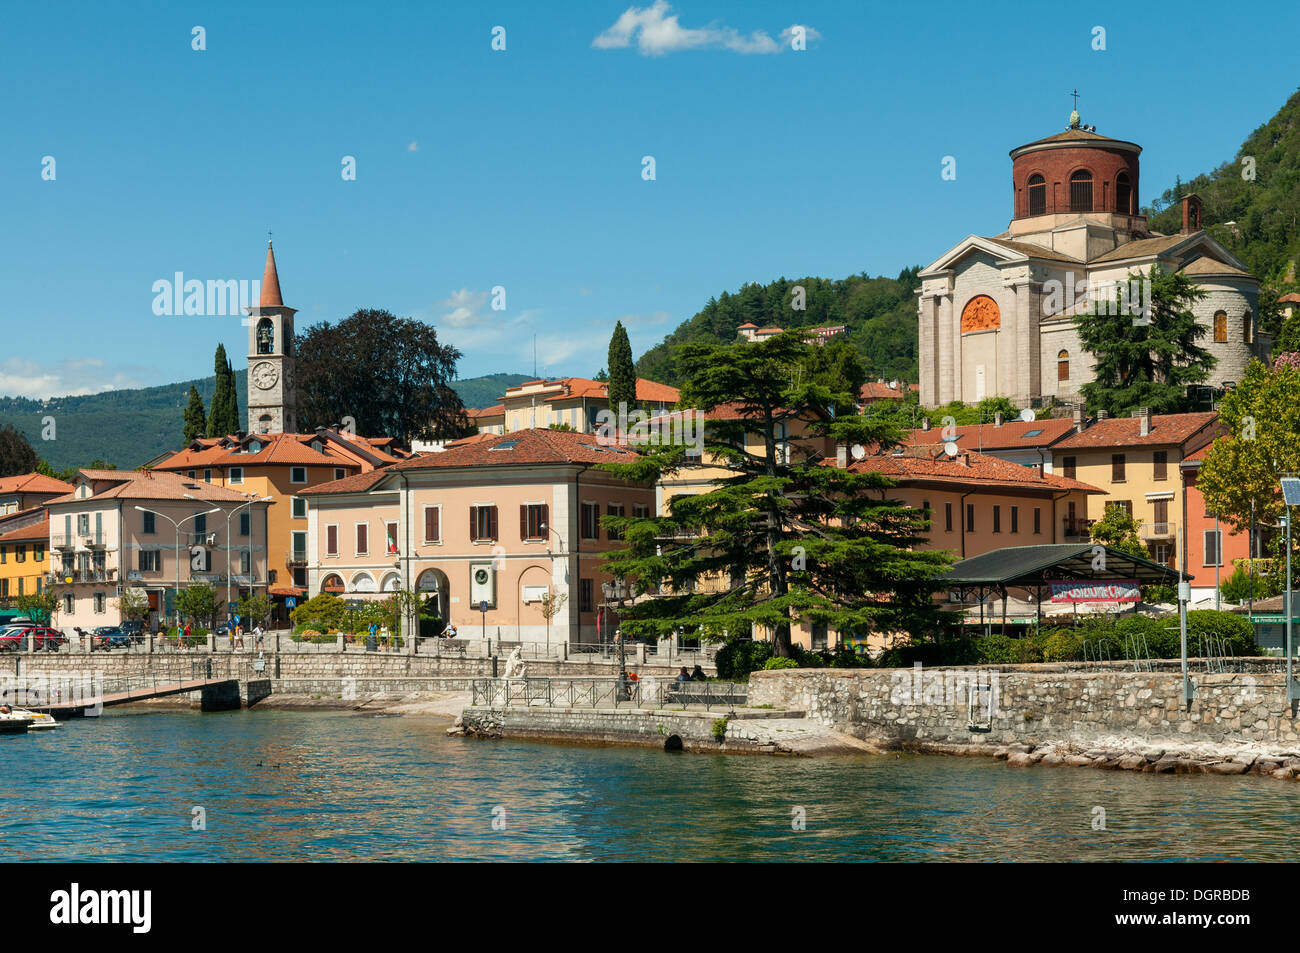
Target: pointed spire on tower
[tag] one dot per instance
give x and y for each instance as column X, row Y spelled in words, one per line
column 270, row 282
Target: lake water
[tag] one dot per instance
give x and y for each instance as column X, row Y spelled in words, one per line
column 342, row 786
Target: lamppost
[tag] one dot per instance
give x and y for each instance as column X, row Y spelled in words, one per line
column 230, row 550
column 1290, row 497
column 178, row 526
column 616, row 591
column 560, row 539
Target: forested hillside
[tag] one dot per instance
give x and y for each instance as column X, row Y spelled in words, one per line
column 880, row 314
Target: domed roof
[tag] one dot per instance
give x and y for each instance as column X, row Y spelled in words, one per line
column 1079, row 138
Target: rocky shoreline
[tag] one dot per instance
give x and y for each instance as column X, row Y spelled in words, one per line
column 1114, row 756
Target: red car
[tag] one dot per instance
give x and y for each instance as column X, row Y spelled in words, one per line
column 42, row 637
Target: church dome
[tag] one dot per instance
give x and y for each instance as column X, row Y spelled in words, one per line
column 1075, row 172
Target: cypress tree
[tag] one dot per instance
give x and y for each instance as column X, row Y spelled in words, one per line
column 223, row 416
column 622, row 372
column 195, row 419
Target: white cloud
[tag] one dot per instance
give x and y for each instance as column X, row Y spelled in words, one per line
column 413, row 147
column 75, row 377
column 656, row 31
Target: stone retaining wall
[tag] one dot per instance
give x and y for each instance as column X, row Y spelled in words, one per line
column 1037, row 705
column 601, row 726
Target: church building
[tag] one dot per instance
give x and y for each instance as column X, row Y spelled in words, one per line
column 997, row 314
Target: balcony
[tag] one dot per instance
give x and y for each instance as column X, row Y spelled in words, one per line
column 59, row 541
column 1157, row 532
column 1076, row 530
column 296, row 559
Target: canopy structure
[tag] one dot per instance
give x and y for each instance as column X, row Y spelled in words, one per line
column 1037, row 567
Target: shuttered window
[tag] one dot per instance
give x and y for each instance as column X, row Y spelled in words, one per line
column 432, row 524
column 532, row 521
column 331, row 540
column 482, row 523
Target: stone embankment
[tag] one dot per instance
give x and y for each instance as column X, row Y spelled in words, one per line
column 1105, row 717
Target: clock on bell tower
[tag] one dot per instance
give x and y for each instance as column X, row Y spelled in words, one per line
column 271, row 388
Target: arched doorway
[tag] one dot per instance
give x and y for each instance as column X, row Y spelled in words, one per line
column 392, row 582
column 364, row 582
column 435, row 593
column 333, row 584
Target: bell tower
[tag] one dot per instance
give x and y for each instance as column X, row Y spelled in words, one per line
column 272, row 389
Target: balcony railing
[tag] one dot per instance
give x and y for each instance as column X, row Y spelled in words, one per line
column 295, row 559
column 1156, row 531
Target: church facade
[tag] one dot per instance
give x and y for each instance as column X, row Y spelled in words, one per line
column 997, row 314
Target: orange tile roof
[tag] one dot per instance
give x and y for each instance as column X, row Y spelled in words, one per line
column 1166, row 429
column 1014, row 434
column 517, row 448
column 1292, row 296
column 969, row 468
column 33, row 483
column 496, row 410
column 280, row 449
column 39, row 530
column 151, row 485
column 875, row 390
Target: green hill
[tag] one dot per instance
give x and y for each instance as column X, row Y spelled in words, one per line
column 1257, row 220
column 128, row 427
column 879, row 313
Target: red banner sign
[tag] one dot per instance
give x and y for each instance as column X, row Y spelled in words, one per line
column 1096, row 590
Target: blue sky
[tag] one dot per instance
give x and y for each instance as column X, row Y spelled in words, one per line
column 523, row 168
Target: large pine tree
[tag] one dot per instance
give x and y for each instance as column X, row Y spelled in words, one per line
column 195, row 418
column 622, row 371
column 798, row 539
column 1147, row 365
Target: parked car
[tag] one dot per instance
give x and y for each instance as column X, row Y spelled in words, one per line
column 110, row 637
column 134, row 628
column 42, row 637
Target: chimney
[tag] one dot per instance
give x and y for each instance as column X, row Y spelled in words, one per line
column 842, row 456
column 1191, row 213
column 1144, row 421
column 925, row 424
column 1103, row 415
column 997, row 419
column 1080, row 421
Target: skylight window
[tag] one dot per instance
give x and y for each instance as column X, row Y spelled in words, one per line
column 1033, row 433
column 506, row 445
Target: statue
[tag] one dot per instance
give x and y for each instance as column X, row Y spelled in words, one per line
column 515, row 667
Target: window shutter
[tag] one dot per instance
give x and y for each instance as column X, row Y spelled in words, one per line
column 361, row 539
column 544, row 513
column 473, row 523
column 492, row 522
column 523, row 521
column 332, row 540
column 430, row 523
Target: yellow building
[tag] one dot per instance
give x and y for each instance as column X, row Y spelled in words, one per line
column 24, row 560
column 1135, row 462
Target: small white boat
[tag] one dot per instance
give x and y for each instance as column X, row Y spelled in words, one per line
column 14, row 724
column 40, row 719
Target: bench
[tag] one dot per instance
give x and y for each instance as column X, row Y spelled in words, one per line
column 706, row 693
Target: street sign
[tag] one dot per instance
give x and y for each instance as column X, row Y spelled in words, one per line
column 1291, row 491
column 483, row 606
column 290, row 601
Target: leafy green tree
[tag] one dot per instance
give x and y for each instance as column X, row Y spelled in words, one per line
column 255, row 609
column 40, row 606
column 391, row 375
column 44, row 467
column 1119, row 530
column 133, row 603
column 322, row 613
column 16, row 454
column 622, row 372
column 1147, row 365
column 197, row 602
column 798, row 540
column 195, row 418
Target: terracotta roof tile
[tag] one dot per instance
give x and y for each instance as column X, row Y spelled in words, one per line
column 39, row 530
column 33, row 483
column 1011, row 435
column 1205, row 265
column 1142, row 247
column 496, row 410
column 1032, row 250
column 1166, row 429
column 875, row 390
column 152, row 485
column 969, row 468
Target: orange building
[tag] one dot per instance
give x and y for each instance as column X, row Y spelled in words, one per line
column 1213, row 549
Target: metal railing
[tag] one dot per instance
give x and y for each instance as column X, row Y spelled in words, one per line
column 648, row 692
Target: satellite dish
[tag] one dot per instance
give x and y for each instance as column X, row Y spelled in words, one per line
column 950, row 448
column 858, row 451
column 1028, row 416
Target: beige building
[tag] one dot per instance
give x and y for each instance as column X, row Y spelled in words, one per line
column 997, row 314
column 146, row 530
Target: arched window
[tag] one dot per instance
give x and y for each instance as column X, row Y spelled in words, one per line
column 1220, row 327
column 264, row 336
column 1037, row 186
column 1248, row 328
column 263, row 425
column 1081, row 191
column 1123, row 194
column 1063, row 366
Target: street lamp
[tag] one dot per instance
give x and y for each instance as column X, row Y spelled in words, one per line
column 178, row 526
column 551, row 529
column 1290, row 498
column 230, row 550
column 616, row 591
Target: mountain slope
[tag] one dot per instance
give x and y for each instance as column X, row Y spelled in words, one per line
column 128, row 427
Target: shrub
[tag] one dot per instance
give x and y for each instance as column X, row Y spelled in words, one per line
column 1232, row 629
column 321, row 613
column 1237, row 588
column 738, row 658
column 1061, row 645
column 778, row 663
